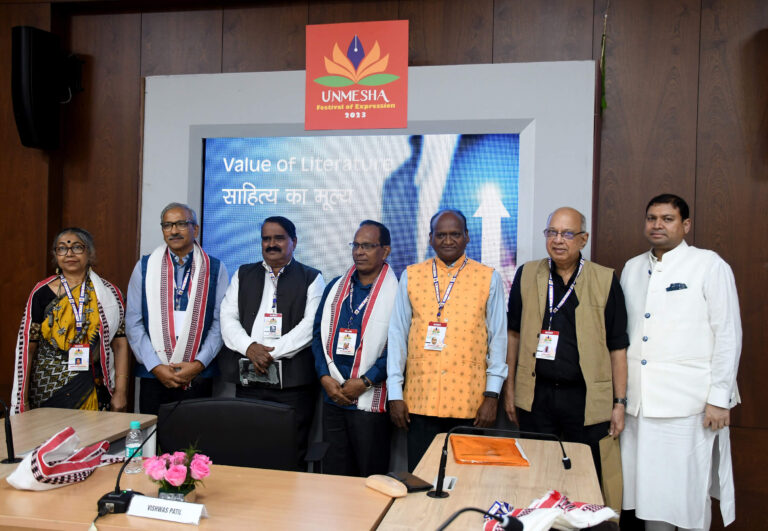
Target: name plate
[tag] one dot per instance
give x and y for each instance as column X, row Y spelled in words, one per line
column 173, row 511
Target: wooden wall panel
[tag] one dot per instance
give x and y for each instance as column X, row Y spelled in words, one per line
column 99, row 159
column 321, row 12
column 24, row 196
column 265, row 38
column 449, row 32
column 732, row 173
column 649, row 128
column 562, row 30
column 186, row 42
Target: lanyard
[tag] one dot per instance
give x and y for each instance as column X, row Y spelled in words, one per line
column 359, row 308
column 178, row 292
column 553, row 311
column 274, row 280
column 77, row 311
column 441, row 303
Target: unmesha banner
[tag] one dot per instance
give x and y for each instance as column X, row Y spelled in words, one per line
column 357, row 75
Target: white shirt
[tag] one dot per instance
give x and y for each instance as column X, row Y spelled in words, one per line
column 684, row 331
column 237, row 339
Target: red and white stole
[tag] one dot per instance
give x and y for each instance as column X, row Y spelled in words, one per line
column 60, row 461
column 160, row 300
column 111, row 312
column 373, row 333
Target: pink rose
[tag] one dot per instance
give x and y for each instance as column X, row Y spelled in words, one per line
column 155, row 467
column 204, row 458
column 179, row 458
column 199, row 468
column 176, row 475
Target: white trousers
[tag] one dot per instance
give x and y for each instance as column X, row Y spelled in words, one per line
column 668, row 466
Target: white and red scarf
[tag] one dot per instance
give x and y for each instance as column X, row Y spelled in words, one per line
column 373, row 335
column 111, row 313
column 552, row 511
column 160, row 299
column 59, row 462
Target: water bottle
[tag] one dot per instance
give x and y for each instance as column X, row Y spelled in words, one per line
column 132, row 442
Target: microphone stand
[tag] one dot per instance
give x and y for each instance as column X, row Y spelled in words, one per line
column 117, row 501
column 438, row 491
column 9, row 439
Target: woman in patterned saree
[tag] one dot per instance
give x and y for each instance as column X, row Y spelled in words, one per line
column 72, row 352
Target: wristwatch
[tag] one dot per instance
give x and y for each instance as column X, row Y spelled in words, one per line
column 368, row 383
column 622, row 401
column 490, row 394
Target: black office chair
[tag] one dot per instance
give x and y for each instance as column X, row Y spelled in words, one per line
column 234, row 431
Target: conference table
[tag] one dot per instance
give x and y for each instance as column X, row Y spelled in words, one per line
column 480, row 485
column 34, row 427
column 252, row 498
column 235, row 497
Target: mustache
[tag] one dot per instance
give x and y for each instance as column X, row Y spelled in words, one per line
column 271, row 249
column 176, row 237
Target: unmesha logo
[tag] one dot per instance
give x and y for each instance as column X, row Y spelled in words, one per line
column 357, row 67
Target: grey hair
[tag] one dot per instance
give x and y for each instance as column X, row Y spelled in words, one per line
column 171, row 206
column 583, row 218
column 86, row 238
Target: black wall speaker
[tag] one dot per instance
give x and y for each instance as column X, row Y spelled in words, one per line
column 37, row 79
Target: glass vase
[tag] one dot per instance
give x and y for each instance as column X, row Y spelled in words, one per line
column 182, row 494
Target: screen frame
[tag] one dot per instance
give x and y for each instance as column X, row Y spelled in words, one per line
column 550, row 105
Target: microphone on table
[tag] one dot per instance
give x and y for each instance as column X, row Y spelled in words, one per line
column 507, row 522
column 11, row 458
column 438, row 492
column 117, row 501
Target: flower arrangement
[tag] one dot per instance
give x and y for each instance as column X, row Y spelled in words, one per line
column 179, row 471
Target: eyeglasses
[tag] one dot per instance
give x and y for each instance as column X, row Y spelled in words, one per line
column 568, row 235
column 178, row 225
column 364, row 246
column 62, row 250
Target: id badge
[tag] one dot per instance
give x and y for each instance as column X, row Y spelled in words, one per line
column 79, row 358
column 347, row 342
column 547, row 346
column 273, row 325
column 435, row 336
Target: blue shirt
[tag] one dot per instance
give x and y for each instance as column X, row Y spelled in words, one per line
column 134, row 322
column 495, row 324
column 378, row 372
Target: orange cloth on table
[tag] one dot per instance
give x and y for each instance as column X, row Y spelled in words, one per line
column 472, row 450
column 448, row 383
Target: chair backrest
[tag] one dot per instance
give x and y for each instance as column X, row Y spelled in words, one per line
column 232, row 431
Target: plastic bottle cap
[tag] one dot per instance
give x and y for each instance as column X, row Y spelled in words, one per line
column 135, row 425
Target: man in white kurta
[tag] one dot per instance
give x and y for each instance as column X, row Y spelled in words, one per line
column 685, row 343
